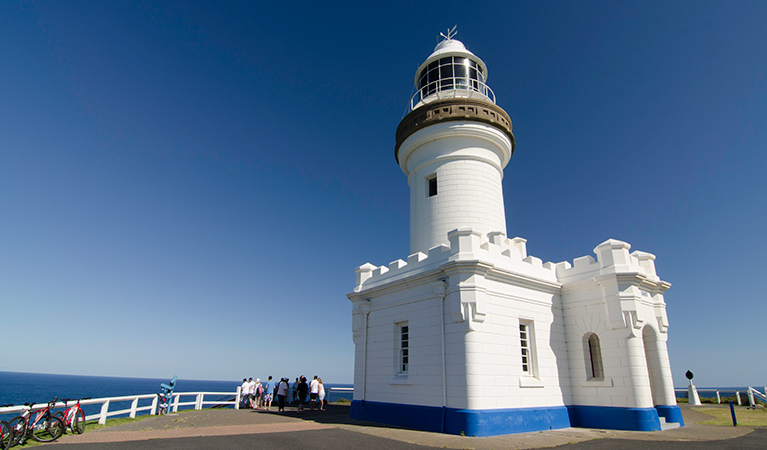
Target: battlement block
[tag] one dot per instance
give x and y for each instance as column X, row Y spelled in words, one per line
column 613, row 252
column 496, row 237
column 561, row 267
column 464, row 241
column 378, row 271
column 646, row 262
column 398, row 264
column 521, row 245
column 533, row 261
column 363, row 273
column 555, row 267
column 583, row 262
column 437, row 251
column 416, row 257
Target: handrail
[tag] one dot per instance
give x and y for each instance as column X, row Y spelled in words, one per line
column 451, row 88
column 105, row 402
column 134, row 408
column 750, row 391
column 754, row 393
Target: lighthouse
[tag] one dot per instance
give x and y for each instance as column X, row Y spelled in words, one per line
column 469, row 334
column 453, row 146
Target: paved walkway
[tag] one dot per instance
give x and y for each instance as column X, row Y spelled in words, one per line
column 333, row 429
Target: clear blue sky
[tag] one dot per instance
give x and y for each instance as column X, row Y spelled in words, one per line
column 187, row 187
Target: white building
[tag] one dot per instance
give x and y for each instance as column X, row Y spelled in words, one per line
column 471, row 335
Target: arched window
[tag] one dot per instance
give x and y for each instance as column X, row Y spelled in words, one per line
column 594, row 368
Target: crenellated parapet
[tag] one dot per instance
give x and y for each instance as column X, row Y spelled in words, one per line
column 465, row 245
column 626, row 284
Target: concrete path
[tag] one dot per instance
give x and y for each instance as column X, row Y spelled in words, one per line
column 332, row 429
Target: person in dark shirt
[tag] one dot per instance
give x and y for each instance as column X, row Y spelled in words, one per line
column 303, row 389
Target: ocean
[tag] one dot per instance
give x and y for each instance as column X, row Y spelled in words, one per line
column 18, row 388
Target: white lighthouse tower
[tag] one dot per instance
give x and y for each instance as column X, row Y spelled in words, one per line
column 469, row 334
column 453, row 147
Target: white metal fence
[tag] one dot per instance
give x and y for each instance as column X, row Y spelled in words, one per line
column 195, row 399
column 198, row 403
column 750, row 391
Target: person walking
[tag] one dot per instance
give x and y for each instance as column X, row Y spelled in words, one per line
column 244, row 393
column 314, row 391
column 282, row 393
column 251, row 392
column 303, row 389
column 259, row 392
column 322, row 394
column 269, row 394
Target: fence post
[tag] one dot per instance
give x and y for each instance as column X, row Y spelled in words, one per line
column 153, row 411
column 103, row 414
column 737, row 397
column 732, row 411
column 237, row 398
column 133, row 406
column 176, row 398
column 198, row 402
column 751, row 401
column 718, row 398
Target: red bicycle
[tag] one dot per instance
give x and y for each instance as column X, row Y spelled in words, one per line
column 44, row 427
column 73, row 417
column 5, row 433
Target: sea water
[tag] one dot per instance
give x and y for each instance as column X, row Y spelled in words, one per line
column 18, row 388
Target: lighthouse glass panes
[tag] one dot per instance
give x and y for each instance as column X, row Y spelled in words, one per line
column 403, row 348
column 452, row 72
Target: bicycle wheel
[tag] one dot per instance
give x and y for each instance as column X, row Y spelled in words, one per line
column 78, row 422
column 18, row 431
column 60, row 415
column 5, row 435
column 48, row 430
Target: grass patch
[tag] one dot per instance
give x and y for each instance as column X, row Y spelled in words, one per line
column 93, row 425
column 342, row 401
column 746, row 417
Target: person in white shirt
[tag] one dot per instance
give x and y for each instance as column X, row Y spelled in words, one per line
column 244, row 392
column 282, row 393
column 251, row 393
column 314, row 390
column 322, row 394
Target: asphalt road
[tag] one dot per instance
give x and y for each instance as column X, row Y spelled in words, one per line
column 335, row 439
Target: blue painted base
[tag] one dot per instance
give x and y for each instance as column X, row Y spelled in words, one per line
column 615, row 418
column 491, row 422
column 672, row 414
column 467, row 422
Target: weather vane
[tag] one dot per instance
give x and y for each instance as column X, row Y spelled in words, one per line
column 450, row 33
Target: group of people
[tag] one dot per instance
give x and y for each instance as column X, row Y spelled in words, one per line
column 258, row 395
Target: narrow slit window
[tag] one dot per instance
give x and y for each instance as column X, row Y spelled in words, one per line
column 525, row 344
column 432, row 186
column 527, row 348
column 595, row 358
column 404, row 347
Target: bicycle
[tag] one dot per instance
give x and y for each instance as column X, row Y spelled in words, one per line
column 45, row 427
column 5, row 433
column 73, row 417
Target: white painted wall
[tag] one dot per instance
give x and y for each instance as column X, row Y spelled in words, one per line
column 468, row 160
column 491, row 284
